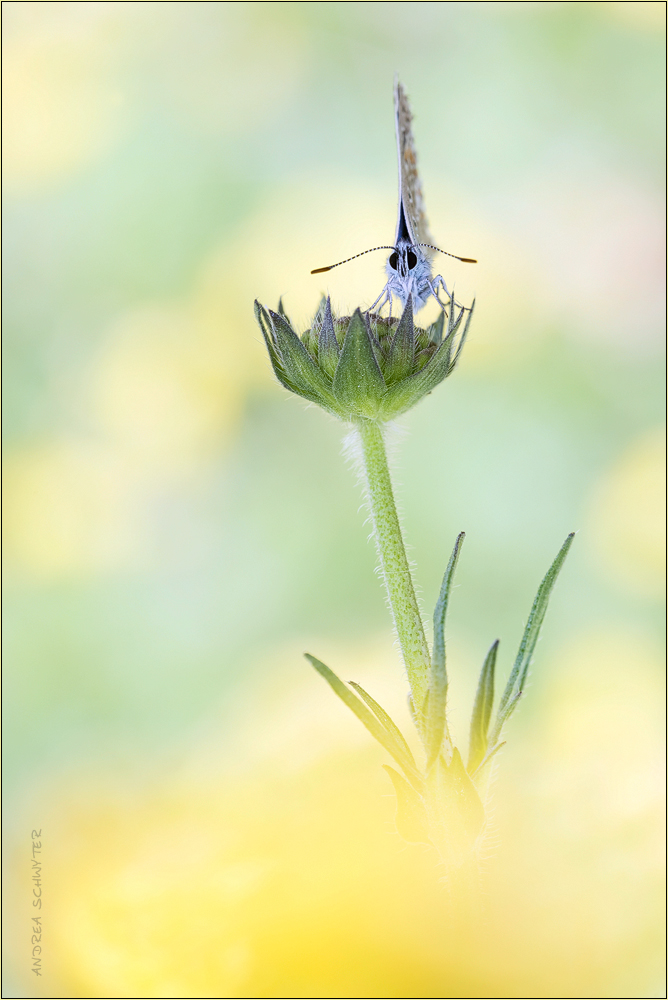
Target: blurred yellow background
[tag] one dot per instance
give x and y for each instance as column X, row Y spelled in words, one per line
column 178, row 531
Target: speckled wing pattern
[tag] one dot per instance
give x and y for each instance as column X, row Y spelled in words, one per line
column 410, row 191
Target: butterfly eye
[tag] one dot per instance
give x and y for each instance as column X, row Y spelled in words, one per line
column 394, row 260
column 411, row 259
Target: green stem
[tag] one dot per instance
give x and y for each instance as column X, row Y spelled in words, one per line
column 393, row 562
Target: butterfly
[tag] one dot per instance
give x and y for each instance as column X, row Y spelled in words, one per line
column 409, row 266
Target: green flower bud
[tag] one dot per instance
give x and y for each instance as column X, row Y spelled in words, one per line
column 363, row 366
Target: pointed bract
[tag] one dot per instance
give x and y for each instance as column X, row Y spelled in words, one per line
column 328, row 349
column 298, row 365
column 401, row 357
column 265, row 324
column 358, row 382
column 403, row 395
column 462, row 339
column 435, row 331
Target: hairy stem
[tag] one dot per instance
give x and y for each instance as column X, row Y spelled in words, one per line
column 394, row 564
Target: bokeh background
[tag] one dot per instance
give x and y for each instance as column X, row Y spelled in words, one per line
column 178, row 530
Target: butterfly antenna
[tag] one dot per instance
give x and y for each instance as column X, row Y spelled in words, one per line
column 465, row 260
column 319, row 270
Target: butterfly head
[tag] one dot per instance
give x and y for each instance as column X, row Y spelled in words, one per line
column 404, row 259
column 408, row 272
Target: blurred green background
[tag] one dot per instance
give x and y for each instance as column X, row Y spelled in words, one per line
column 178, row 531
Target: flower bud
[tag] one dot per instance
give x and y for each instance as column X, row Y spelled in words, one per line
column 363, row 366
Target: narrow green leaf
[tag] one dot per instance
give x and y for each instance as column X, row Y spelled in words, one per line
column 411, row 818
column 356, row 705
column 392, row 729
column 400, row 360
column 515, row 686
column 281, row 309
column 438, row 676
column 441, row 609
column 482, row 710
column 358, row 382
column 486, row 759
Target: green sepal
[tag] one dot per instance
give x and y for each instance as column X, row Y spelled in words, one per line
column 462, row 339
column 268, row 332
column 482, row 711
column 358, row 381
column 393, row 732
column 302, row 371
column 401, row 356
column 328, row 348
column 367, row 718
column 265, row 324
column 378, row 352
column 515, row 686
column 402, row 395
column 309, row 337
column 422, row 359
column 411, row 816
column 435, row 331
column 435, row 724
column 319, row 314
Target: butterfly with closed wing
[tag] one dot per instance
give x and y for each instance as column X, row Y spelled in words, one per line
column 409, row 266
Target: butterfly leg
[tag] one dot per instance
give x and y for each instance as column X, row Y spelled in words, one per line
column 385, row 298
column 381, row 300
column 434, row 285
